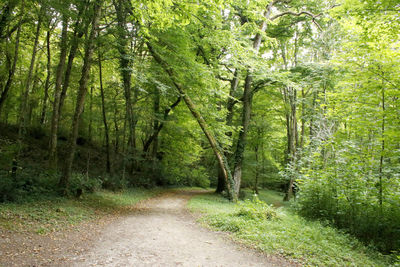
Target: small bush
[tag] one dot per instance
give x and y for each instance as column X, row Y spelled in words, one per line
column 256, row 210
column 114, row 183
column 79, row 184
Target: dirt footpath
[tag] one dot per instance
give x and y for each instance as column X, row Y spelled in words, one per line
column 163, row 233
column 160, row 232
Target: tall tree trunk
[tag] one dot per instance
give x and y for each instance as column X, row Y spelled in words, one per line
column 11, row 70
column 241, row 143
column 229, row 117
column 57, row 92
column 257, row 174
column 47, row 83
column 103, row 109
column 203, row 125
column 156, row 122
column 125, row 69
column 87, row 60
column 247, row 103
column 80, row 28
column 23, row 112
column 116, row 128
column 382, row 146
column 90, row 114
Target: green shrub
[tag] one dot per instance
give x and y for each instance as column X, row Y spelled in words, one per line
column 256, row 210
column 80, row 183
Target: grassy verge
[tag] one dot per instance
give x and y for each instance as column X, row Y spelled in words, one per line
column 56, row 213
column 308, row 242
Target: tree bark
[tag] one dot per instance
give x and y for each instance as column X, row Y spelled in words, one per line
column 47, row 83
column 57, row 92
column 125, row 69
column 229, row 117
column 103, row 105
column 5, row 17
column 80, row 28
column 11, row 71
column 247, row 103
column 87, row 60
column 23, row 112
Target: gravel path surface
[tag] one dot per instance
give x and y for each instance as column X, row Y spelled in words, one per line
column 163, row 233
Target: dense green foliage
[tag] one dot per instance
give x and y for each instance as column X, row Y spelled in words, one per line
column 299, row 96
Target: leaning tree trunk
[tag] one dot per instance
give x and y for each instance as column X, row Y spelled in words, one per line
column 203, row 125
column 57, row 92
column 87, row 60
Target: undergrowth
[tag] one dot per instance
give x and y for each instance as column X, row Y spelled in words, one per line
column 281, row 231
column 52, row 213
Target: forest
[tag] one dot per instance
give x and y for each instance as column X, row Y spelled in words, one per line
column 297, row 97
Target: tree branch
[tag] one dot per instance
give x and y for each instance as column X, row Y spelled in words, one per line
column 307, row 13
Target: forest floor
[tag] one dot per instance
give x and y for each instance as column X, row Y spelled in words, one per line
column 157, row 232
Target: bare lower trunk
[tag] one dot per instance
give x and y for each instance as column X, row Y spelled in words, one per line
column 24, row 107
column 79, row 30
column 47, row 83
column 125, row 69
column 229, row 117
column 64, row 179
column 103, row 105
column 241, row 143
column 57, row 91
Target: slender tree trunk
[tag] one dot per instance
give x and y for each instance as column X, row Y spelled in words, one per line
column 303, row 120
column 90, row 114
column 87, row 60
column 11, row 71
column 103, row 105
column 47, row 83
column 80, row 28
column 382, row 148
column 57, row 92
column 23, row 112
column 125, row 68
column 156, row 122
column 116, row 148
column 257, row 170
